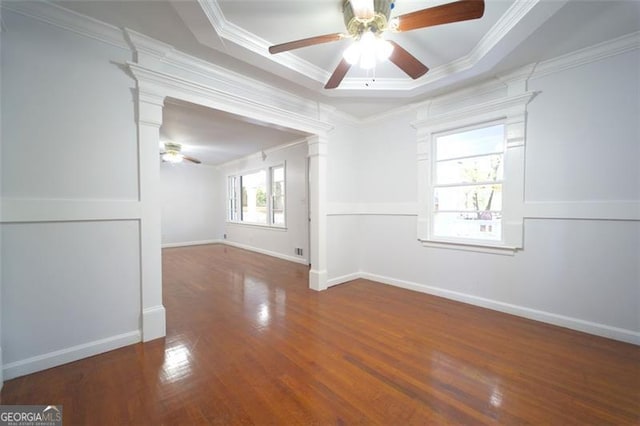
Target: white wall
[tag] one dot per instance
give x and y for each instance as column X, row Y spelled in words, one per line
column 582, row 152
column 192, row 206
column 85, row 288
column 270, row 240
column 583, row 133
column 70, row 234
column 344, row 250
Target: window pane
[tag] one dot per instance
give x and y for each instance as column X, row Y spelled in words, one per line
column 278, row 174
column 278, row 194
column 232, row 194
column 254, row 197
column 468, row 198
column 486, row 140
column 477, row 226
column 477, row 169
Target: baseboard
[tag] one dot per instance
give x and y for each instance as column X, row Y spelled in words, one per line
column 191, row 243
column 64, row 356
column 154, row 323
column 343, row 279
column 318, row 279
column 597, row 329
column 300, row 260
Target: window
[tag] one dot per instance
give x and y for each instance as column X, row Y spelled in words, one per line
column 277, row 195
column 471, row 175
column 257, row 198
column 232, row 203
column 468, row 169
column 254, row 197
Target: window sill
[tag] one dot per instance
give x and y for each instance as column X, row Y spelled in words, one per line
column 258, row 225
column 471, row 246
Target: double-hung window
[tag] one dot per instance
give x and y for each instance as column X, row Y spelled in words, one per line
column 468, row 174
column 257, row 197
column 471, row 175
column 232, row 199
column 277, row 195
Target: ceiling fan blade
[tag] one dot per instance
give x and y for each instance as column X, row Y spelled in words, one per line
column 462, row 10
column 193, row 160
column 311, row 41
column 338, row 75
column 407, row 62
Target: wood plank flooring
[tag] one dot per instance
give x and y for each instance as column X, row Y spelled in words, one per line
column 248, row 343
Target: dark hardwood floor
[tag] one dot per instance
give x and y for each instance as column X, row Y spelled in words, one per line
column 248, row 343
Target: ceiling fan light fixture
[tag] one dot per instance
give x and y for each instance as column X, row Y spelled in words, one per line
column 384, row 49
column 367, row 60
column 172, row 157
column 367, row 50
column 173, row 154
column 352, row 53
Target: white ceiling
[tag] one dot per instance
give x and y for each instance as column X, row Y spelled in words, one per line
column 236, row 34
column 215, row 137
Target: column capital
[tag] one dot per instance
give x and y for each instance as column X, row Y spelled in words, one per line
column 317, row 145
column 150, row 105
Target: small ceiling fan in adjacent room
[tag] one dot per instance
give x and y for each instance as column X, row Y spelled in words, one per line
column 368, row 20
column 172, row 154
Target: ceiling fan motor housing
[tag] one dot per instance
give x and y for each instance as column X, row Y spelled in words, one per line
column 378, row 23
column 172, row 147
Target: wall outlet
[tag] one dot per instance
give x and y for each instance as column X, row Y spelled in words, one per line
column 298, row 251
column 224, row 236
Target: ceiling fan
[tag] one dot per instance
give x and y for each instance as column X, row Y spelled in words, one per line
column 368, row 20
column 172, row 154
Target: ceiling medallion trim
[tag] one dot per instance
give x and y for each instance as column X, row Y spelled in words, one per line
column 250, row 41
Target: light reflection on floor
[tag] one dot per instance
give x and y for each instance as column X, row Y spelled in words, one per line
column 262, row 302
column 177, row 363
column 263, row 315
column 450, row 365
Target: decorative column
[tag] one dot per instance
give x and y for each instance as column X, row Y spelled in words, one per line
column 318, row 211
column 150, row 105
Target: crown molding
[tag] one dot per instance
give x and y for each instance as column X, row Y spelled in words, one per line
column 616, row 46
column 248, row 40
column 258, row 154
column 66, row 19
column 475, row 110
column 377, row 118
column 597, row 52
column 142, row 44
column 155, row 81
column 500, row 29
column 166, row 54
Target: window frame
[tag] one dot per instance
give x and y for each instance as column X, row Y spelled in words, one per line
column 232, row 198
column 272, row 196
column 434, row 185
column 237, row 196
column 508, row 110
